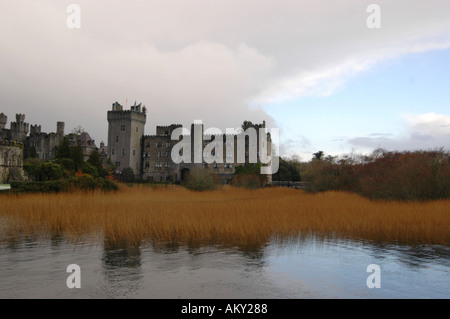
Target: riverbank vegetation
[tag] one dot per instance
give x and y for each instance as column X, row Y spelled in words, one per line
column 385, row 175
column 144, row 214
column 68, row 172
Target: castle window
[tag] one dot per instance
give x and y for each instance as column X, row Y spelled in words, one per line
column 134, row 152
column 122, row 128
column 147, row 145
column 159, row 145
column 137, row 129
column 159, row 154
column 167, row 144
column 117, row 164
column 158, row 165
column 166, row 164
column 123, row 152
column 112, row 152
column 117, row 138
column 167, row 154
column 147, row 164
column 166, row 133
column 215, row 165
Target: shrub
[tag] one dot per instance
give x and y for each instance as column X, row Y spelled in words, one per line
column 50, row 171
column 248, row 176
column 419, row 175
column 201, row 180
column 84, row 182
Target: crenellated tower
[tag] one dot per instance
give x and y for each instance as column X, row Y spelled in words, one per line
column 125, row 137
column 3, row 121
column 19, row 129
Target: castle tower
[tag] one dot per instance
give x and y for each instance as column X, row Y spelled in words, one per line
column 125, row 135
column 19, row 129
column 3, row 121
column 60, row 128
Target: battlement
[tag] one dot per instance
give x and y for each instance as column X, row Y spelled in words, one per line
column 116, row 107
column 20, row 118
column 126, row 116
column 35, row 129
column 167, row 130
column 169, row 126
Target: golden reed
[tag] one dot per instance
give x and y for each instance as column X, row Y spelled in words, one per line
column 142, row 214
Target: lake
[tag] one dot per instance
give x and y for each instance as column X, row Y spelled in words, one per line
column 302, row 268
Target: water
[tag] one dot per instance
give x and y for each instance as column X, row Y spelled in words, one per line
column 306, row 268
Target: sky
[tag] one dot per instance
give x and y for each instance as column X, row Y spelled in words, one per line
column 313, row 69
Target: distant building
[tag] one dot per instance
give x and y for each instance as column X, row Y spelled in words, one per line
column 41, row 145
column 85, row 141
column 103, row 151
column 149, row 156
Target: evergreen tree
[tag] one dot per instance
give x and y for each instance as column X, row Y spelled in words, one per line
column 76, row 154
column 64, row 149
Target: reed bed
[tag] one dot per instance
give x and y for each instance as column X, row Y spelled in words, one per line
column 141, row 214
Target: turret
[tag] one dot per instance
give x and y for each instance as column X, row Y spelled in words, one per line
column 3, row 121
column 60, row 128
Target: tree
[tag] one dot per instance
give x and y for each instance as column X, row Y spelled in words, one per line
column 319, row 155
column 78, row 130
column 287, row 172
column 50, row 171
column 95, row 161
column 32, row 152
column 76, row 154
column 90, row 169
column 63, row 149
column 33, row 168
column 246, row 124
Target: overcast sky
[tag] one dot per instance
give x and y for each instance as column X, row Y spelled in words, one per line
column 311, row 68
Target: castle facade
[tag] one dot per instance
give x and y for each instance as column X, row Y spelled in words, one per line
column 150, row 157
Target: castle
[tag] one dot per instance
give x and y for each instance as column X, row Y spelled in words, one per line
column 149, row 157
column 144, row 157
column 22, row 141
column 42, row 145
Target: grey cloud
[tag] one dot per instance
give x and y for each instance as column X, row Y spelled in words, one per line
column 218, row 61
column 423, row 131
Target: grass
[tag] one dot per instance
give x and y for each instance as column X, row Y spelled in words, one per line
column 235, row 216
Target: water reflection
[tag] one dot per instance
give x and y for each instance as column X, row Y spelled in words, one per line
column 301, row 267
column 418, row 256
column 122, row 259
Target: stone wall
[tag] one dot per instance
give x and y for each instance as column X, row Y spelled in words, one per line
column 11, row 162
